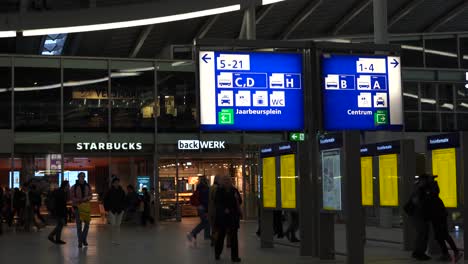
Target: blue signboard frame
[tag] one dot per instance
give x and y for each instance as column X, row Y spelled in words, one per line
column 361, row 92
column 251, row 91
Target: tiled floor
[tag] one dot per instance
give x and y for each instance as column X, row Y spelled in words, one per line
column 167, row 244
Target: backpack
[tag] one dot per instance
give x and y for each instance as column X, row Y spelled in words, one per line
column 195, row 198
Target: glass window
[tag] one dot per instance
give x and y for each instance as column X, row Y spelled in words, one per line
column 411, row 53
column 462, row 122
column 464, row 52
column 430, row 122
column 132, row 89
column 461, row 98
column 177, row 101
column 37, row 94
column 86, row 99
column 446, row 97
column 448, row 121
column 5, row 93
column 428, row 97
column 411, row 96
column 441, row 53
column 411, row 121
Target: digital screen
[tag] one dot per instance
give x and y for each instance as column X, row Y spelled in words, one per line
column 269, row 182
column 15, row 179
column 388, row 180
column 72, row 176
column 143, row 182
column 331, row 179
column 362, row 92
column 255, row 91
column 367, row 181
column 288, row 181
column 444, row 165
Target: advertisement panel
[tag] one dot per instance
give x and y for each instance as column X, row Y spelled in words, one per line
column 288, row 181
column 444, row 165
column 251, row 91
column 367, row 181
column 331, row 181
column 362, row 92
column 388, row 180
column 269, row 182
column 143, row 182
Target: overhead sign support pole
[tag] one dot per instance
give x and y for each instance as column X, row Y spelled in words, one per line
column 407, row 173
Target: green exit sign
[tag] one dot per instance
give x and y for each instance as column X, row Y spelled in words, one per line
column 296, row 136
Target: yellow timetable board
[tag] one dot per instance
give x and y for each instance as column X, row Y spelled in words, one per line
column 388, row 180
column 367, row 181
column 269, row 182
column 288, row 181
column 444, row 165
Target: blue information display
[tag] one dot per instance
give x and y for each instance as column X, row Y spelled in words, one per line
column 362, row 92
column 255, row 91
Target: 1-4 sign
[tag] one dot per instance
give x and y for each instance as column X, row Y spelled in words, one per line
column 296, row 136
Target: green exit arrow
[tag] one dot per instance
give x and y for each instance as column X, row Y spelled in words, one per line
column 296, row 136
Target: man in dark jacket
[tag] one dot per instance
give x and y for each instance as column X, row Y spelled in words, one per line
column 60, row 198
column 132, row 202
column 420, row 216
column 227, row 218
column 114, row 204
column 203, row 193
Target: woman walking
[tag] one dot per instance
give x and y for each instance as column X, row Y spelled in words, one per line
column 114, row 204
column 60, row 198
column 80, row 195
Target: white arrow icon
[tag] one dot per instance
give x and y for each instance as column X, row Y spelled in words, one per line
column 294, row 136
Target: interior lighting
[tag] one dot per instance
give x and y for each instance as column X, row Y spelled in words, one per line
column 131, row 23
column 268, row 2
column 7, row 34
column 448, row 106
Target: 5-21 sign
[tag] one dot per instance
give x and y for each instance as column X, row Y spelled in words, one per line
column 239, row 62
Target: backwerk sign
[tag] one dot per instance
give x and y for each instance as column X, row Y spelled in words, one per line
column 200, row 144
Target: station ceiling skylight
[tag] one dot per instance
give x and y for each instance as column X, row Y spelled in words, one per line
column 53, row 44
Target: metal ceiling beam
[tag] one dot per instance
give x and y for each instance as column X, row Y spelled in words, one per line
column 207, row 26
column 354, row 12
column 400, row 14
column 263, row 12
column 145, row 32
column 300, row 18
column 444, row 19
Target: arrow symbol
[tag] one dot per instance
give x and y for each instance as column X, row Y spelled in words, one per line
column 223, row 118
column 294, row 136
column 205, row 58
column 395, row 63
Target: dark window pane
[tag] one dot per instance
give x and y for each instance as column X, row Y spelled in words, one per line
column 85, row 96
column 411, row 121
column 5, row 94
column 411, row 53
column 177, row 101
column 446, row 97
column 411, row 96
column 428, row 96
column 37, row 95
column 430, row 122
column 462, row 120
column 133, row 101
column 441, row 53
column 448, row 121
column 462, row 98
column 464, row 52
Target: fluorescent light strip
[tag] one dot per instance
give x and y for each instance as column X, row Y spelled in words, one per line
column 448, row 106
column 268, row 2
column 464, row 105
column 131, row 23
column 428, row 101
column 7, row 34
column 411, row 95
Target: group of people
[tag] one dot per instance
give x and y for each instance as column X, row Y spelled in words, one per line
column 219, row 209
column 426, row 208
column 22, row 204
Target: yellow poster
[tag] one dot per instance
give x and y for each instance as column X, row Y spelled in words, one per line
column 367, row 181
column 388, row 180
column 288, row 181
column 444, row 165
column 269, row 182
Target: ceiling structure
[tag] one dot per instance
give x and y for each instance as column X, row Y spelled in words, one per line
column 340, row 20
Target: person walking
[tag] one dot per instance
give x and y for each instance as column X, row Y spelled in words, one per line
column 146, row 215
column 19, row 204
column 36, row 203
column 418, row 210
column 114, row 204
column 201, row 201
column 132, row 201
column 212, row 207
column 438, row 216
column 60, row 199
column 293, row 227
column 227, row 218
column 80, row 195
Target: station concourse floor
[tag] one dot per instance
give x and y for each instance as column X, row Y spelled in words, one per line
column 167, row 243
